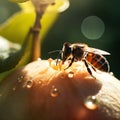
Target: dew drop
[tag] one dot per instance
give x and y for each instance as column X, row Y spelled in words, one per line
column 111, row 73
column 39, row 59
column 91, row 103
column 20, row 78
column 71, row 74
column 40, row 82
column 14, row 88
column 54, row 91
column 29, row 84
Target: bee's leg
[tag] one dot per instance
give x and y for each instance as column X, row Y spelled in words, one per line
column 72, row 60
column 93, row 68
column 88, row 69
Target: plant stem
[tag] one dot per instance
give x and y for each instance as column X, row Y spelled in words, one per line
column 36, row 47
column 36, row 38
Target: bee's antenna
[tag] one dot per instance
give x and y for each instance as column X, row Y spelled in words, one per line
column 54, row 51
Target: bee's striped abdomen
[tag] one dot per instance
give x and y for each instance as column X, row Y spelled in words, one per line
column 98, row 61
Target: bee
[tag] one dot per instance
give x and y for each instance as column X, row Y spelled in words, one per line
column 90, row 56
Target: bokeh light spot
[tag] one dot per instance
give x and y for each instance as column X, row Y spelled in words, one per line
column 92, row 27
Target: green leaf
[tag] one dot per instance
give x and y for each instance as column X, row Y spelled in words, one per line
column 18, row 1
column 16, row 29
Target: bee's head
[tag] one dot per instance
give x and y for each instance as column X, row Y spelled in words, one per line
column 66, row 51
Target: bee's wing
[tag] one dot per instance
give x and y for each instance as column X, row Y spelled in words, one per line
column 96, row 51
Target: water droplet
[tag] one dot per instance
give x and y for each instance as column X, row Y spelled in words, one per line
column 14, row 88
column 111, row 73
column 29, row 84
column 91, row 103
column 71, row 74
column 20, row 78
column 54, row 92
column 39, row 59
column 40, row 82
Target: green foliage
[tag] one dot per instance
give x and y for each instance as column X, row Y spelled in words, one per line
column 18, row 1
column 9, row 54
column 16, row 29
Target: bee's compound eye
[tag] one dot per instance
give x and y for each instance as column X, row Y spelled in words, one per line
column 66, row 44
column 66, row 50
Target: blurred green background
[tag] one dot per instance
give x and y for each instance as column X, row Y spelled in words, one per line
column 68, row 27
column 94, row 22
